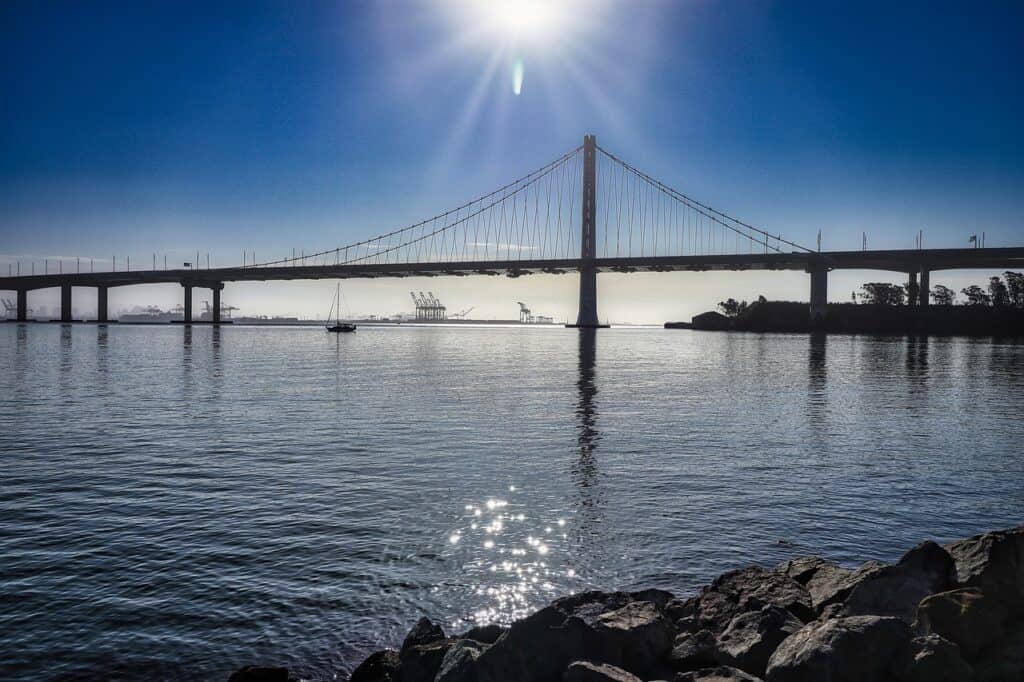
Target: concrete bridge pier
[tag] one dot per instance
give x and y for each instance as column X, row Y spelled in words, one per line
column 819, row 294
column 188, row 303
column 22, row 305
column 101, row 304
column 924, row 287
column 65, row 303
column 913, row 292
column 216, row 301
column 587, row 318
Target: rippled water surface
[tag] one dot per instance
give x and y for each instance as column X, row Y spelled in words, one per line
column 176, row 503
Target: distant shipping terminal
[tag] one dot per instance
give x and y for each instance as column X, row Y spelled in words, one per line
column 428, row 309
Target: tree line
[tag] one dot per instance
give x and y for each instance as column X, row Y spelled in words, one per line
column 1002, row 292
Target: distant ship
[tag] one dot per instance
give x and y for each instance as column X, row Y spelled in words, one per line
column 263, row 319
column 154, row 315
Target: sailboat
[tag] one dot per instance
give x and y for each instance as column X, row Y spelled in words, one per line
column 338, row 325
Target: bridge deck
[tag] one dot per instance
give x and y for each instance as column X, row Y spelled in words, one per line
column 892, row 260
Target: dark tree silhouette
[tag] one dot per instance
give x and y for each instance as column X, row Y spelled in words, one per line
column 1015, row 288
column 976, row 295
column 943, row 295
column 732, row 307
column 998, row 292
column 882, row 293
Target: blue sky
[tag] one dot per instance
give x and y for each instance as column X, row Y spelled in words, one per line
column 136, row 128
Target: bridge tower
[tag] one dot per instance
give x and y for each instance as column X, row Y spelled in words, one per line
column 587, row 316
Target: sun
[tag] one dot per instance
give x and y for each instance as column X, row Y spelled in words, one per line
column 523, row 19
column 514, row 21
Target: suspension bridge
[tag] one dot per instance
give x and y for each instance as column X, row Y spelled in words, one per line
column 586, row 212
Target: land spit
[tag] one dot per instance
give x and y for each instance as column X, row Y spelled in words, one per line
column 849, row 318
column 952, row 613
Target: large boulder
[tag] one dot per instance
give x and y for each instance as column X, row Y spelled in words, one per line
column 592, row 626
column 457, row 664
column 897, row 590
column 485, row 634
column 1003, row 660
column 585, row 671
column 831, row 584
column 424, row 631
column 752, row 637
column 693, row 651
column 932, row 659
column 260, row 673
column 993, row 562
column 967, row 616
column 379, row 666
column 422, row 652
column 802, row 569
column 638, row 635
column 420, row 662
column 722, row 673
column 852, row 649
column 749, row 589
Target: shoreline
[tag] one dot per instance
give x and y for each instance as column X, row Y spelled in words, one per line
column 941, row 613
column 850, row 318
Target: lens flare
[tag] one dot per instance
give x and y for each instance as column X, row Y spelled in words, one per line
column 517, row 77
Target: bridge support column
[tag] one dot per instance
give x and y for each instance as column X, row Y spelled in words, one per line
column 913, row 291
column 65, row 302
column 101, row 303
column 187, row 319
column 216, row 302
column 22, row 305
column 819, row 294
column 924, row 288
column 587, row 315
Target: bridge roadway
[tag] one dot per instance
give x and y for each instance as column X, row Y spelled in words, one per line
column 913, row 262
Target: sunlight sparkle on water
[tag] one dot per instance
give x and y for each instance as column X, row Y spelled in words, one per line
column 530, row 571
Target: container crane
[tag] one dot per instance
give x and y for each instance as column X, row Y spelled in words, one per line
column 524, row 313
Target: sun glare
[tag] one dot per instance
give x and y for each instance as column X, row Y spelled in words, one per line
column 523, row 19
column 516, row 20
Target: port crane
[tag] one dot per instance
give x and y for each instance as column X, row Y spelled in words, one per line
column 462, row 315
column 11, row 309
column 225, row 310
column 525, row 315
column 427, row 306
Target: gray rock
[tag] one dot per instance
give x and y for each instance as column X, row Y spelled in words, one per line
column 752, row 637
column 1003, row 660
column 853, row 649
column 831, row 584
column 457, row 664
column 420, row 662
column 802, row 569
column 424, row 631
column 487, row 634
column 259, row 673
column 967, row 617
column 722, row 673
column 993, row 562
column 693, row 651
column 379, row 666
column 897, row 590
column 541, row 646
column 638, row 635
column 749, row 589
column 933, row 659
column 585, row 671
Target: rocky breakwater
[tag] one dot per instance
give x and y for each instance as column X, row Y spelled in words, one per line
column 953, row 613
